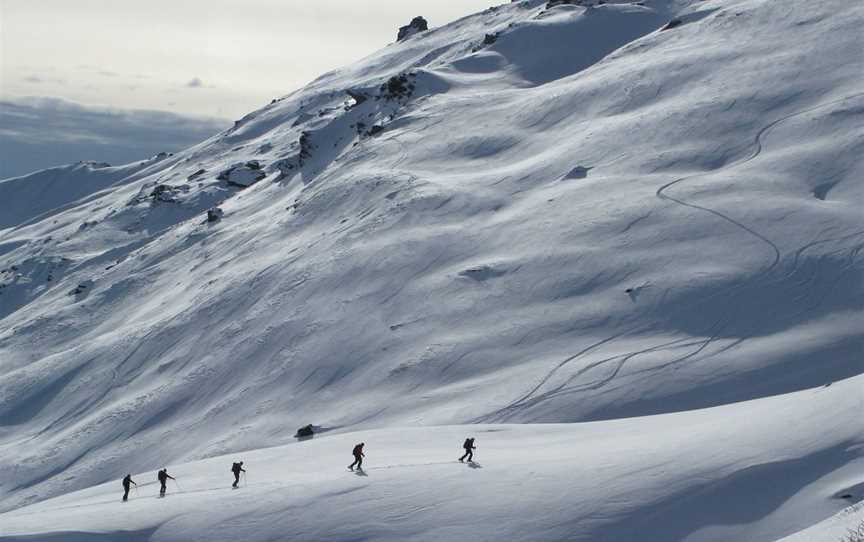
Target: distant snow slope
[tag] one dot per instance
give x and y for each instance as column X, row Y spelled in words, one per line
column 532, row 214
column 51, row 191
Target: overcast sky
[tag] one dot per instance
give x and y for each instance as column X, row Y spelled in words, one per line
column 37, row 133
column 216, row 58
column 120, row 80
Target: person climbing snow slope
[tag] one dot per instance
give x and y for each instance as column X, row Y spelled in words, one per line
column 358, row 457
column 469, row 447
column 127, row 481
column 237, row 468
column 163, row 479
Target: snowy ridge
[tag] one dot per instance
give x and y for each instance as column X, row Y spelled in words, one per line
column 55, row 189
column 559, row 214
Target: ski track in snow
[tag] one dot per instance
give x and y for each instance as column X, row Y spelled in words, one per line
column 537, row 234
column 757, row 150
column 522, row 402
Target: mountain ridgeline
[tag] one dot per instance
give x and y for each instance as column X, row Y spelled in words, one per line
column 546, row 212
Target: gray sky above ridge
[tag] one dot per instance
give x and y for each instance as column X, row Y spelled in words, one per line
column 213, row 58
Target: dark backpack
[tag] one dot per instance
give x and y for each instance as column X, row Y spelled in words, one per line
column 235, row 467
column 469, row 443
column 358, row 450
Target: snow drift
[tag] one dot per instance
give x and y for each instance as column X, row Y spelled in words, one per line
column 557, row 214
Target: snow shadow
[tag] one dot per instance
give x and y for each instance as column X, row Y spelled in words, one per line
column 34, row 398
column 852, row 494
column 795, row 291
column 805, row 369
column 545, row 50
column 723, row 502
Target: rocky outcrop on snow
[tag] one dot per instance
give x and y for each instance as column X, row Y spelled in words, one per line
column 82, row 289
column 692, row 295
column 215, row 214
column 578, row 172
column 357, row 98
column 243, row 174
column 285, row 167
column 305, row 432
column 417, row 25
column 92, row 164
column 398, row 87
column 159, row 193
column 164, row 193
column 196, row 175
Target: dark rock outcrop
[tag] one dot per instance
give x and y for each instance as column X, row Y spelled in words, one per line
column 578, row 172
column 196, row 174
column 163, row 193
column 397, row 87
column 305, row 431
column 285, row 167
column 94, row 165
column 243, row 174
column 305, row 143
column 159, row 193
column 358, row 98
column 215, row 214
column 82, row 288
column 417, row 24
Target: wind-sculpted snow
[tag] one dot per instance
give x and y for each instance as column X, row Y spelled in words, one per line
column 634, row 218
column 584, row 482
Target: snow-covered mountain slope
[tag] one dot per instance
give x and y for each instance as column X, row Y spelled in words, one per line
column 610, row 480
column 51, row 191
column 533, row 214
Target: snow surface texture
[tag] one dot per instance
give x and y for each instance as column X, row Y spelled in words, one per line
column 846, row 526
column 669, row 475
column 565, row 215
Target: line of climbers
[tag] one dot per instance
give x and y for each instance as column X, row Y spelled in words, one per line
column 237, row 468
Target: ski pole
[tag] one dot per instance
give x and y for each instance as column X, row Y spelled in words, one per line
column 136, row 491
column 245, row 483
column 178, row 485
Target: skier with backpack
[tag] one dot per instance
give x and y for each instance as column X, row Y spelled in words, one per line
column 127, row 481
column 237, row 468
column 469, row 447
column 163, row 479
column 358, row 457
